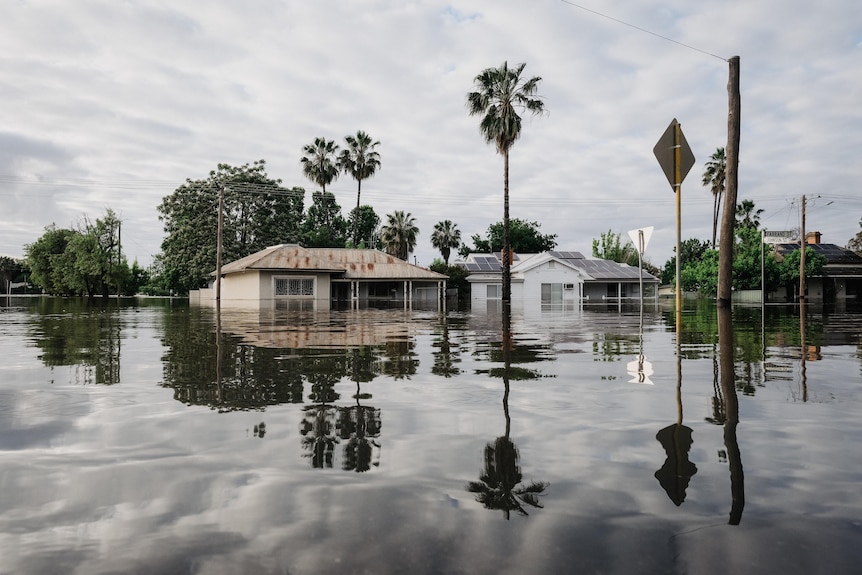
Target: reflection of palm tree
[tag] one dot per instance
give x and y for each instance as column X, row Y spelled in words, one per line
column 359, row 425
column 318, row 434
column 444, row 363
column 499, row 485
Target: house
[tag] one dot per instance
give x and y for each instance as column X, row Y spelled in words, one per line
column 557, row 277
column 842, row 274
column 292, row 276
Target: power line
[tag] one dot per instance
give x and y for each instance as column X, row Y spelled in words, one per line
column 618, row 21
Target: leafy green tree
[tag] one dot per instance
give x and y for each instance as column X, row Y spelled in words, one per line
column 367, row 222
column 855, row 242
column 499, row 94
column 789, row 266
column 11, row 270
column 609, row 246
column 360, row 160
column 47, row 260
column 457, row 277
column 324, row 227
column 714, row 177
column 258, row 213
column 399, row 234
column 692, row 250
column 445, row 237
column 525, row 238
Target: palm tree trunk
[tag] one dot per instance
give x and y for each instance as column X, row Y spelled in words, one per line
column 356, row 218
column 715, row 201
column 507, row 239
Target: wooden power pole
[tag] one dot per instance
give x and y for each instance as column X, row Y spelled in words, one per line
column 728, row 217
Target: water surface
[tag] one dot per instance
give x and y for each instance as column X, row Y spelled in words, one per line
column 150, row 437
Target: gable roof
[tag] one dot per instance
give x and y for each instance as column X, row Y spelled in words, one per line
column 349, row 263
column 590, row 269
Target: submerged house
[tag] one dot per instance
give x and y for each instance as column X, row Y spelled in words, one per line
column 557, row 277
column 290, row 275
column 841, row 279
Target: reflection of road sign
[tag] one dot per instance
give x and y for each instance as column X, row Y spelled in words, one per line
column 640, row 370
column 677, row 470
column 664, row 153
column 640, row 238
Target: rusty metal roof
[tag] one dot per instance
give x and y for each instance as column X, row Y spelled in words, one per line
column 351, row 263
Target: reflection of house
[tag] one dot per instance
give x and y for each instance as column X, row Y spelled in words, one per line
column 842, row 274
column 557, row 277
column 290, row 275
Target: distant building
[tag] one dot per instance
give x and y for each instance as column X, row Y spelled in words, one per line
column 842, row 275
column 557, row 277
column 292, row 276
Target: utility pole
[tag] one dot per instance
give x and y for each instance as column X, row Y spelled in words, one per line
column 219, row 244
column 803, row 244
column 725, row 248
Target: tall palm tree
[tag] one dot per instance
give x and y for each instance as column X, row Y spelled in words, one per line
column 713, row 176
column 320, row 165
column 361, row 161
column 746, row 215
column 445, row 237
column 398, row 235
column 500, row 93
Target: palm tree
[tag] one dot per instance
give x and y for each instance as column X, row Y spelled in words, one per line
column 398, row 236
column 446, row 236
column 320, row 165
column 713, row 176
column 500, row 94
column 747, row 216
column 361, row 161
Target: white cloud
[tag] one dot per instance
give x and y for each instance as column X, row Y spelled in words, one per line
column 115, row 105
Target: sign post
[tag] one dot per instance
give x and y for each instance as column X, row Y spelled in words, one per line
column 676, row 159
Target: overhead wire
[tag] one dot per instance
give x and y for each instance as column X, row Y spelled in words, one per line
column 624, row 23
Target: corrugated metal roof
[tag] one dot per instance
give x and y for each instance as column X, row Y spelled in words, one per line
column 352, row 263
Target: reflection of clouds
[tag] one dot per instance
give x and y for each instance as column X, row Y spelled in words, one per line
column 126, row 479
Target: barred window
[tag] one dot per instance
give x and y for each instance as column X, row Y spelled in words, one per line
column 294, row 287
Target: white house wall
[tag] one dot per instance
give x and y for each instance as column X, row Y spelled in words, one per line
column 545, row 274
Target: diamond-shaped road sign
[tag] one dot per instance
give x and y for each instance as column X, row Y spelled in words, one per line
column 664, row 153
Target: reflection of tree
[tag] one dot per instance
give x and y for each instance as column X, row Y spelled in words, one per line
column 318, row 434
column 359, row 427
column 446, row 355
column 400, row 361
column 499, row 485
column 70, row 333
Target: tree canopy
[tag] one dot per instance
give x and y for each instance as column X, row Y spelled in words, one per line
column 398, row 235
column 526, row 238
column 84, row 261
column 258, row 213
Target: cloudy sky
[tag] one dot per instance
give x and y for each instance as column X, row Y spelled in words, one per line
column 115, row 104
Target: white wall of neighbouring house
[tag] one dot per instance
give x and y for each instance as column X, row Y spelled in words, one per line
column 551, row 272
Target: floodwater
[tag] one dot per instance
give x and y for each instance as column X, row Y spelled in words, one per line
column 136, row 439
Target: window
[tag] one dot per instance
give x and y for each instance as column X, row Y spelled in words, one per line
column 294, row 287
column 495, row 291
column 552, row 293
column 551, row 264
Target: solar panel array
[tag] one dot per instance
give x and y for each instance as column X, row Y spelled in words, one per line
column 603, row 269
column 567, row 255
column 833, row 253
column 483, row 264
